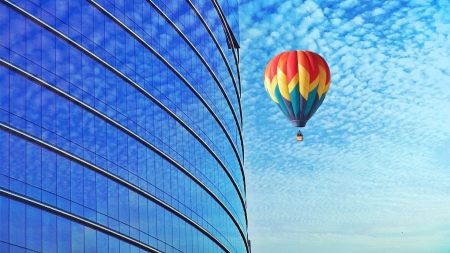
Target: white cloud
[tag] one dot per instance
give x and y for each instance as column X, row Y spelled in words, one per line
column 307, row 8
column 348, row 4
column 336, row 21
column 252, row 32
column 420, row 2
column 377, row 11
column 358, row 20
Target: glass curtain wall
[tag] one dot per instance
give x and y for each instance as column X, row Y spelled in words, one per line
column 121, row 127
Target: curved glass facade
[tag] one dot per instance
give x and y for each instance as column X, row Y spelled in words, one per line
column 120, row 127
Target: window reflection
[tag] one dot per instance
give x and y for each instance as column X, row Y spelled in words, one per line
column 69, row 125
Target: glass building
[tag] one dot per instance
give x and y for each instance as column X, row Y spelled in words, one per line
column 121, row 127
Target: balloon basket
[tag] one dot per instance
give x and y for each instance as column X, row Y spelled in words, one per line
column 299, row 136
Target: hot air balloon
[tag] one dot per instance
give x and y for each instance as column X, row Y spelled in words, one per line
column 298, row 82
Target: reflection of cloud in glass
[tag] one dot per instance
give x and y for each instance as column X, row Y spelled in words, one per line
column 74, row 66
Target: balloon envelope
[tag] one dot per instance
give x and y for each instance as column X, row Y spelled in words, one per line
column 298, row 82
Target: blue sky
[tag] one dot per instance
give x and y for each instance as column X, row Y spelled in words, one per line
column 373, row 174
